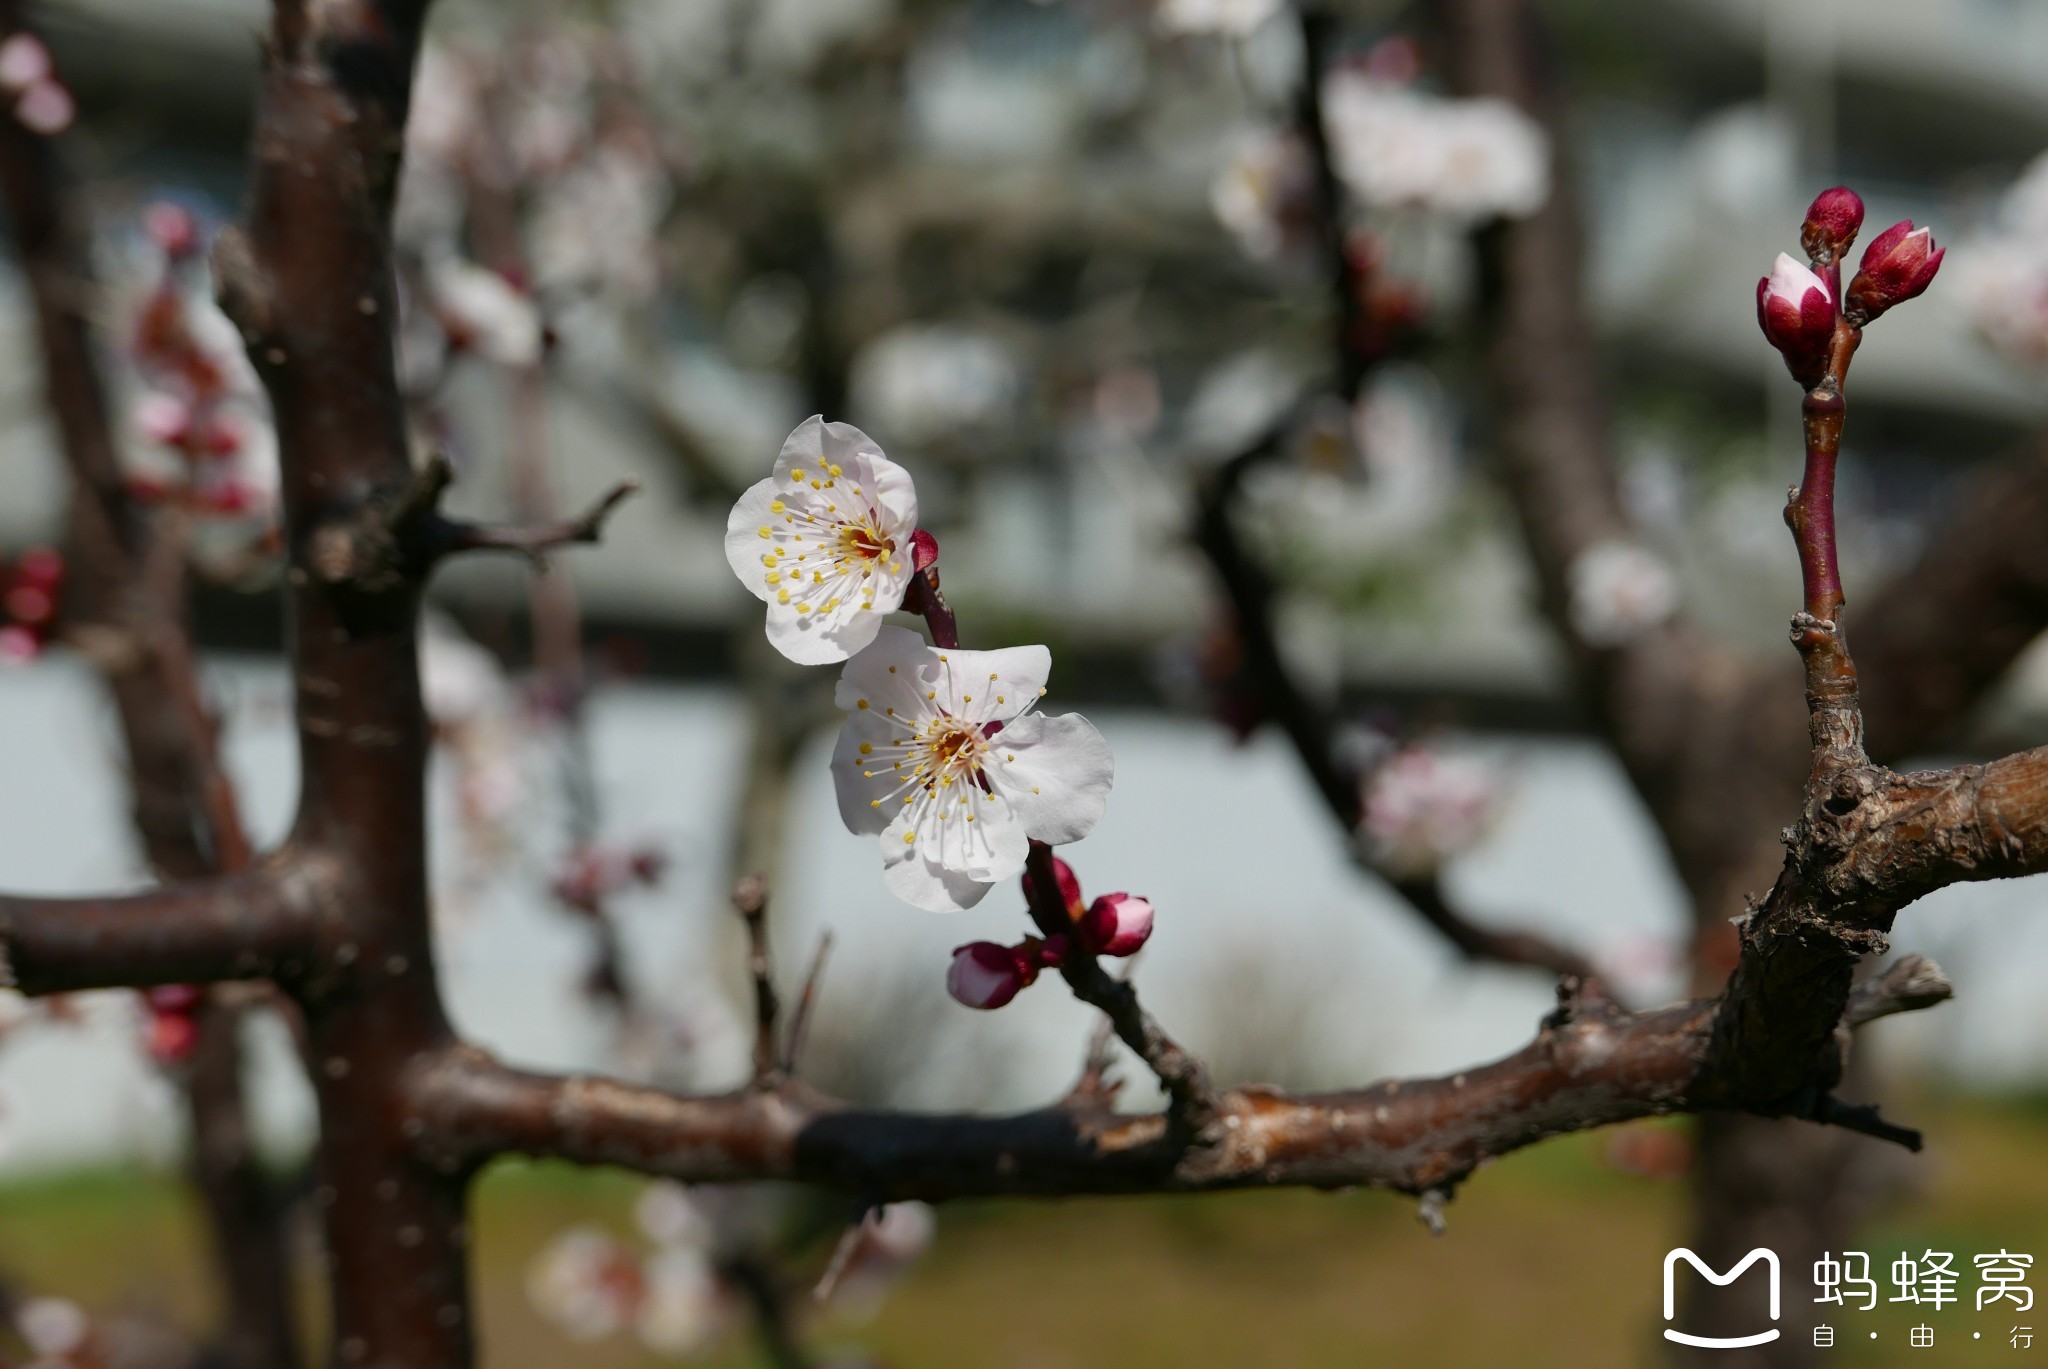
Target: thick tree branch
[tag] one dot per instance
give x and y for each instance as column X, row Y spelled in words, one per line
column 265, row 923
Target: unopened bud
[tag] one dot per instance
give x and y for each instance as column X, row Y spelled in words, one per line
column 1899, row 264
column 924, row 550
column 985, row 975
column 1052, row 952
column 1798, row 318
column 1832, row 222
column 1116, row 924
column 1063, row 873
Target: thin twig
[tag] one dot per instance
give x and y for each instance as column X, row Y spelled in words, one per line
column 800, row 1016
column 750, row 901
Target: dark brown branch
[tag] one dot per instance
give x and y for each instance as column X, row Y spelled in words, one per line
column 1590, row 1065
column 750, row 901
column 537, row 540
column 1312, row 731
column 265, row 923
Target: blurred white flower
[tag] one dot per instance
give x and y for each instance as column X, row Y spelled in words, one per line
column 684, row 1305
column 1619, row 591
column 1263, row 194
column 921, row 381
column 482, row 311
column 595, row 227
column 587, row 1283
column 55, row 1328
column 1468, row 160
column 670, row 1216
column 459, row 680
column 2003, row 275
column 1233, row 17
column 1422, row 807
column 446, row 103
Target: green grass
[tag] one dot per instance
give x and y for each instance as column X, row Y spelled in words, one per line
column 1551, row 1259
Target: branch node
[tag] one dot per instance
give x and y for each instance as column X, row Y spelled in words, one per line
column 1430, row 1209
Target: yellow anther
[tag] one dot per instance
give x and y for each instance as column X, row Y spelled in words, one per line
column 831, row 604
column 836, row 471
column 774, row 577
column 892, row 670
column 967, row 698
column 867, row 748
column 781, row 596
column 777, row 507
column 909, row 838
column 999, row 698
column 874, row 803
column 797, row 474
column 860, row 703
column 933, row 694
column 767, row 531
column 803, row 608
column 817, row 484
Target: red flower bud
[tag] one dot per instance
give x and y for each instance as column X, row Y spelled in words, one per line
column 924, row 550
column 1116, row 924
column 172, row 1037
column 1052, row 952
column 1832, row 222
column 1069, row 882
column 1899, row 264
column 985, row 975
column 1798, row 318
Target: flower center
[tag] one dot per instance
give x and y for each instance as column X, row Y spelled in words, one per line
column 861, row 543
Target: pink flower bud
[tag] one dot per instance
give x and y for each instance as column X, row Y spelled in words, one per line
column 1116, row 924
column 172, row 228
column 1832, row 222
column 985, row 975
column 1798, row 317
column 924, row 550
column 1898, row 264
column 1052, row 952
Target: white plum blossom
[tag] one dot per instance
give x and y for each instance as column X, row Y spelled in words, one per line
column 944, row 759
column 484, row 311
column 1264, row 192
column 684, row 1304
column 1468, row 160
column 924, row 381
column 1233, row 17
column 825, row 542
column 1619, row 591
column 587, row 1283
column 1422, row 807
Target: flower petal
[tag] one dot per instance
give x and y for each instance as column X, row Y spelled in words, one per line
column 885, row 675
column 746, row 550
column 920, row 881
column 820, row 638
column 1056, row 772
column 865, row 785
